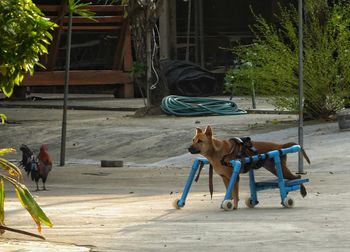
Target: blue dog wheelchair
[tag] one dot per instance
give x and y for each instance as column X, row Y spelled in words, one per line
column 285, row 186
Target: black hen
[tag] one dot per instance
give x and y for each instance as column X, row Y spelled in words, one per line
column 35, row 166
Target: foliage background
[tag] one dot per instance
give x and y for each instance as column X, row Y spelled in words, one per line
column 24, row 37
column 271, row 61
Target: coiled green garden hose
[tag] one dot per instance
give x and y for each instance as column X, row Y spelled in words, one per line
column 199, row 106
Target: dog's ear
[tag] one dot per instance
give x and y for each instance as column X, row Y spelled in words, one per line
column 208, row 131
column 198, row 130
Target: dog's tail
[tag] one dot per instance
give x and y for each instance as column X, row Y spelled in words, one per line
column 302, row 187
column 287, row 145
column 303, row 190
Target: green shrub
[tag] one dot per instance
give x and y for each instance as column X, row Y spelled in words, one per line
column 273, row 58
column 24, row 37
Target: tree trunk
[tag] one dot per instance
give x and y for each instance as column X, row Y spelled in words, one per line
column 149, row 65
column 66, row 86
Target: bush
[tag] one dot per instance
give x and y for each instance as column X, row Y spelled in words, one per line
column 24, row 37
column 273, row 58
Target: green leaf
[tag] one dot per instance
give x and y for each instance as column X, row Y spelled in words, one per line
column 32, row 207
column 40, row 65
column 17, row 79
column 75, row 6
column 29, row 203
column 4, row 151
column 43, row 48
column 48, row 35
column 11, row 168
column 3, row 70
column 8, row 90
column 3, row 120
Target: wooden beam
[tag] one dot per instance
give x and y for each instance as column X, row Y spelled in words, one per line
column 77, row 77
column 107, row 8
column 93, row 28
column 49, row 8
column 94, row 8
column 97, row 19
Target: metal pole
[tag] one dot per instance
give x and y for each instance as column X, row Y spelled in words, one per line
column 253, row 95
column 300, row 84
column 66, row 85
column 188, row 30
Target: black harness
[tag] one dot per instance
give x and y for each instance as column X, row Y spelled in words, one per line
column 241, row 149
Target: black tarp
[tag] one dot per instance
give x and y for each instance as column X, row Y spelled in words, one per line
column 187, row 79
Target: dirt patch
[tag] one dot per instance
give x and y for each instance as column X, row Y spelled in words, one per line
column 110, row 135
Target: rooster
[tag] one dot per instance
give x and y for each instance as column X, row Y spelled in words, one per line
column 38, row 167
column 28, row 161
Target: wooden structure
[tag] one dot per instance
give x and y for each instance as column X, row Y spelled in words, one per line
column 110, row 20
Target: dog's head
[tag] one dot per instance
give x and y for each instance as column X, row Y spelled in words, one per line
column 201, row 141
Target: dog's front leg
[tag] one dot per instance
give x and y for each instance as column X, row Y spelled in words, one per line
column 226, row 180
column 235, row 194
column 235, row 191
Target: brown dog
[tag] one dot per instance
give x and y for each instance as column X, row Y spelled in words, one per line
column 218, row 151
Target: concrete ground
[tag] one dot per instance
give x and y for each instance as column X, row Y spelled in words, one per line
column 130, row 208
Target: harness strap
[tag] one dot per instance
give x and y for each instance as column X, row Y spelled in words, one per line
column 242, row 148
column 211, row 187
column 201, row 165
column 238, row 140
column 233, row 151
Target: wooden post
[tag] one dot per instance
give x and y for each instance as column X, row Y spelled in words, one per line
column 201, row 33
column 173, row 30
column 188, row 30
column 149, row 28
column 164, row 30
column 167, row 30
column 196, row 32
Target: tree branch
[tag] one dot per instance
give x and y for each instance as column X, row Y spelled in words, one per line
column 21, row 232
